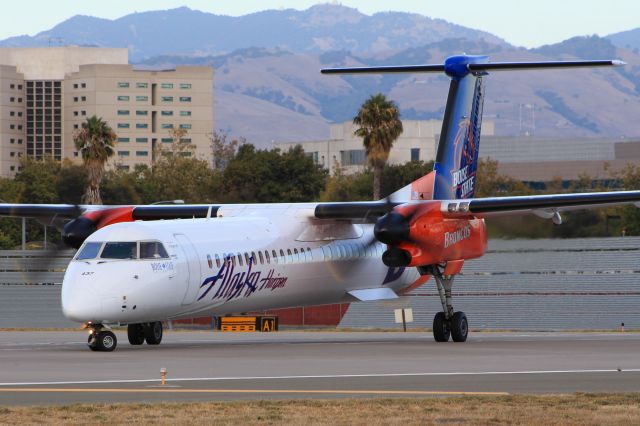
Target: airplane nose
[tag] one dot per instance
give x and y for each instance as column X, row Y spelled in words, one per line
column 81, row 307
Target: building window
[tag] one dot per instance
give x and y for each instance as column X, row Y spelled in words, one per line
column 123, row 167
column 12, row 86
column 164, row 99
column 123, row 153
column 19, row 113
column 142, row 126
column 185, row 85
column 12, row 168
column 167, row 113
column 185, row 126
column 415, row 154
column 142, row 112
column 352, row 157
column 123, row 125
column 75, row 113
column 167, row 85
column 12, row 154
column 142, row 140
column 185, row 140
column 84, row 98
column 142, row 153
column 13, row 140
column 167, row 126
column 142, row 85
column 123, row 112
column 123, row 85
column 123, row 139
column 185, row 98
column 75, row 126
column 185, row 154
column 123, row 98
column 12, row 126
column 83, row 85
column 12, row 99
column 19, row 86
column 167, row 140
column 142, row 98
column 185, row 113
column 75, row 99
column 12, row 113
column 83, row 112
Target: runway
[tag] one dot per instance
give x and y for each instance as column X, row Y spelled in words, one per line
column 56, row 367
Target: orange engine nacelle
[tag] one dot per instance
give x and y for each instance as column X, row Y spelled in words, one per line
column 419, row 234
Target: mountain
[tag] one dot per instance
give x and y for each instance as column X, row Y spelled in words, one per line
column 275, row 94
column 629, row 39
column 318, row 29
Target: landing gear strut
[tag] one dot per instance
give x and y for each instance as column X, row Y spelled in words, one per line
column 101, row 339
column 448, row 322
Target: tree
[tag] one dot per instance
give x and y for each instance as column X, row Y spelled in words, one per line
column 223, row 149
column 379, row 125
column 95, row 142
column 270, row 176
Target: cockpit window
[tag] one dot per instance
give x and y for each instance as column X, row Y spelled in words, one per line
column 123, row 250
column 152, row 250
column 89, row 251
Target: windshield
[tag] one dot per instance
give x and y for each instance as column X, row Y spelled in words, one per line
column 152, row 250
column 120, row 250
column 89, row 251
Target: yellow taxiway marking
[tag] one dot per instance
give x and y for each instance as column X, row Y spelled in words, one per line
column 273, row 391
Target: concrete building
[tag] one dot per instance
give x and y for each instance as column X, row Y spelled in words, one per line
column 418, row 141
column 524, row 158
column 46, row 94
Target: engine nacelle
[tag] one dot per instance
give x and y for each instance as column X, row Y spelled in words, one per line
column 434, row 239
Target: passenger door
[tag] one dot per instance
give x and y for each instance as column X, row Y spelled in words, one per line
column 193, row 268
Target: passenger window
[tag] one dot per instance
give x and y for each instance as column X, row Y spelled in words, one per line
column 152, row 250
column 246, row 258
column 266, row 253
column 261, row 258
column 239, row 259
column 89, row 251
column 282, row 256
column 296, row 255
column 309, row 254
column 348, row 249
column 290, row 256
column 124, row 250
column 254, row 259
column 217, row 260
column 274, row 255
column 233, row 259
column 328, row 254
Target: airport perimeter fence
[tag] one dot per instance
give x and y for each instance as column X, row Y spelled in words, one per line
column 591, row 283
column 546, row 284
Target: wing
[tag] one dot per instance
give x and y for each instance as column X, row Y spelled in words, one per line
column 541, row 205
column 545, row 206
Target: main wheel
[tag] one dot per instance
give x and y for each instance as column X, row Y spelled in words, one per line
column 153, row 333
column 92, row 343
column 441, row 329
column 135, row 333
column 106, row 341
column 459, row 327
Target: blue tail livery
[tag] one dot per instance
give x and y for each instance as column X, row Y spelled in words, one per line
column 457, row 156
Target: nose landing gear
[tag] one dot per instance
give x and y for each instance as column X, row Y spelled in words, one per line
column 100, row 339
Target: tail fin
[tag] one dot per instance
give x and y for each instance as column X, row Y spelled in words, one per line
column 457, row 157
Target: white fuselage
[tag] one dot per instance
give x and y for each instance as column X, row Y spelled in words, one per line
column 226, row 265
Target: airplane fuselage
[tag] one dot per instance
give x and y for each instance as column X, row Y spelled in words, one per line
column 262, row 257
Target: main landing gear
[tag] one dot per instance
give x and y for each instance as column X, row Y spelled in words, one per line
column 151, row 332
column 446, row 323
column 104, row 340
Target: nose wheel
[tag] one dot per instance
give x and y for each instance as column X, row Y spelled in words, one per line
column 101, row 340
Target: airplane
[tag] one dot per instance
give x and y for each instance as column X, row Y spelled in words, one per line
column 141, row 265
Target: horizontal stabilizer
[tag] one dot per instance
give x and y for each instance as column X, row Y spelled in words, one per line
column 371, row 294
column 449, row 67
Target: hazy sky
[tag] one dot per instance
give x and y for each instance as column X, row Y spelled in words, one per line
column 526, row 23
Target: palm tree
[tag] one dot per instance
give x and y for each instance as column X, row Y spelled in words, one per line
column 95, row 142
column 379, row 125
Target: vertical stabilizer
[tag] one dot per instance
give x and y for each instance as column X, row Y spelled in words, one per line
column 456, row 163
